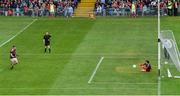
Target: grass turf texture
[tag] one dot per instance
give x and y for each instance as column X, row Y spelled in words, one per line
column 77, row 46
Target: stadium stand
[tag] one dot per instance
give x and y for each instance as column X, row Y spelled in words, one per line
column 37, row 7
column 143, row 7
column 83, row 8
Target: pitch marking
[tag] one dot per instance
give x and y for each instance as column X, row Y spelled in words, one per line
column 22, row 30
column 94, row 72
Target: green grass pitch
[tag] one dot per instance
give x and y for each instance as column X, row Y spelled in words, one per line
column 78, row 44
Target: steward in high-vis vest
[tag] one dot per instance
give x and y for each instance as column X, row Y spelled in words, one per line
column 52, row 9
column 133, row 9
column 175, row 6
column 170, row 7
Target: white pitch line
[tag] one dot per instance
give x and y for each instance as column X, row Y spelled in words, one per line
column 125, row 83
column 22, row 30
column 94, row 72
column 159, row 86
column 79, row 88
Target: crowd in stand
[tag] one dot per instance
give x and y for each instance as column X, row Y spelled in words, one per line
column 102, row 7
column 37, row 7
column 136, row 7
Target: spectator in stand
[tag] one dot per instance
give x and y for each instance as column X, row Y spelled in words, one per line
column 60, row 9
column 10, row 13
column 103, row 9
column 163, row 8
column 6, row 10
column 40, row 11
column 97, row 3
column 43, row 9
column 36, row 10
column 31, row 10
column 144, row 10
column 170, row 7
column 46, row 9
column 26, row 10
column 99, row 10
column 140, row 5
column 52, row 9
column 122, row 8
column 115, row 6
column 70, row 11
column 128, row 7
column 17, row 11
column 175, row 6
column 103, row 1
column 153, row 7
column 75, row 3
column 66, row 11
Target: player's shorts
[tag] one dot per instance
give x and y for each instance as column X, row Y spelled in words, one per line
column 148, row 69
column 14, row 60
column 47, row 43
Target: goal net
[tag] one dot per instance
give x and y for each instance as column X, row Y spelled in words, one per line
column 170, row 57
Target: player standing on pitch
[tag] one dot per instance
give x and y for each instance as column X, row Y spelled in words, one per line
column 13, row 57
column 46, row 40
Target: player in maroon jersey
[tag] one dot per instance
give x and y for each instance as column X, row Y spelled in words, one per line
column 13, row 57
column 146, row 67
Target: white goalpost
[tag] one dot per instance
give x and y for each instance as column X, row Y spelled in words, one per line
column 159, row 52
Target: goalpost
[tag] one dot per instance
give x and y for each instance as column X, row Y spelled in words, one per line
column 159, row 52
column 170, row 57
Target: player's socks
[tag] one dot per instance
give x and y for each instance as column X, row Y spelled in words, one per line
column 12, row 67
column 49, row 50
column 45, row 50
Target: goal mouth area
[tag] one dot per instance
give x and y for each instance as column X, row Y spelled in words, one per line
column 170, row 57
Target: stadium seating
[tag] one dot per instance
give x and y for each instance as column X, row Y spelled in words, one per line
column 84, row 7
